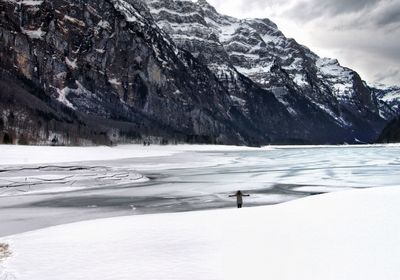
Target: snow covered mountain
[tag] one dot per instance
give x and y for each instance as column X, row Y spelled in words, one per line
column 257, row 49
column 171, row 70
column 388, row 99
column 112, row 70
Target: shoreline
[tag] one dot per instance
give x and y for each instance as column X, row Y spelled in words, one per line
column 185, row 180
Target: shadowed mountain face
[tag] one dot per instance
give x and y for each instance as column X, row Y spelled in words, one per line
column 112, row 71
column 391, row 133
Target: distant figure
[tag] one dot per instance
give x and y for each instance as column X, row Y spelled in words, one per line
column 239, row 198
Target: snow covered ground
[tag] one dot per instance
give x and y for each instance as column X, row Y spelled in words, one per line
column 343, row 235
column 12, row 154
column 47, row 186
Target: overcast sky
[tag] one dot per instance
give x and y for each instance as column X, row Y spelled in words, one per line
column 362, row 34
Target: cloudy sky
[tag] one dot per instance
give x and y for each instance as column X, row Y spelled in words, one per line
column 363, row 34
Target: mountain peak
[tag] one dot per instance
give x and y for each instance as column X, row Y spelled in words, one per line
column 258, row 50
column 170, row 70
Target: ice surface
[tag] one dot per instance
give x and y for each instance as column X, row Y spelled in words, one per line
column 344, row 235
column 94, row 182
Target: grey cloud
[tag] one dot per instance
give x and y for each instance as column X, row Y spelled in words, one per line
column 388, row 14
column 358, row 12
column 315, row 9
column 271, row 5
column 392, row 75
column 347, row 6
column 350, row 13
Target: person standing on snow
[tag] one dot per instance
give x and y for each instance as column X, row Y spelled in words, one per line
column 239, row 198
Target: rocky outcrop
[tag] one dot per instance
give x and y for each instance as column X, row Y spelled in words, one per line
column 104, row 71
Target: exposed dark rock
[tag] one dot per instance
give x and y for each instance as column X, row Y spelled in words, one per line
column 387, row 99
column 103, row 71
column 107, row 59
column 318, row 92
column 391, row 133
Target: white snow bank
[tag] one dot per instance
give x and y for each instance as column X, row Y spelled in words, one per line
column 346, row 235
column 47, row 154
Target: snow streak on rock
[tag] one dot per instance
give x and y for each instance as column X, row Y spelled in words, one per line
column 257, row 49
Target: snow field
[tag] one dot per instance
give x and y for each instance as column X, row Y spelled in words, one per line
column 13, row 155
column 344, row 235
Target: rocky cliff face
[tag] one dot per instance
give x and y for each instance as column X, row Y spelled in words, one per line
column 108, row 60
column 388, row 100
column 256, row 49
column 114, row 70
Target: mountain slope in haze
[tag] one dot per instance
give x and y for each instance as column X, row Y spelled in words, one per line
column 105, row 70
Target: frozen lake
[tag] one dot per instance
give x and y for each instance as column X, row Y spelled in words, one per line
column 38, row 192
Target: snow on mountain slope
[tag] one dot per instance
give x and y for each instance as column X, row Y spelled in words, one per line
column 258, row 50
column 344, row 235
column 109, row 64
column 108, row 68
column 392, row 95
column 388, row 99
